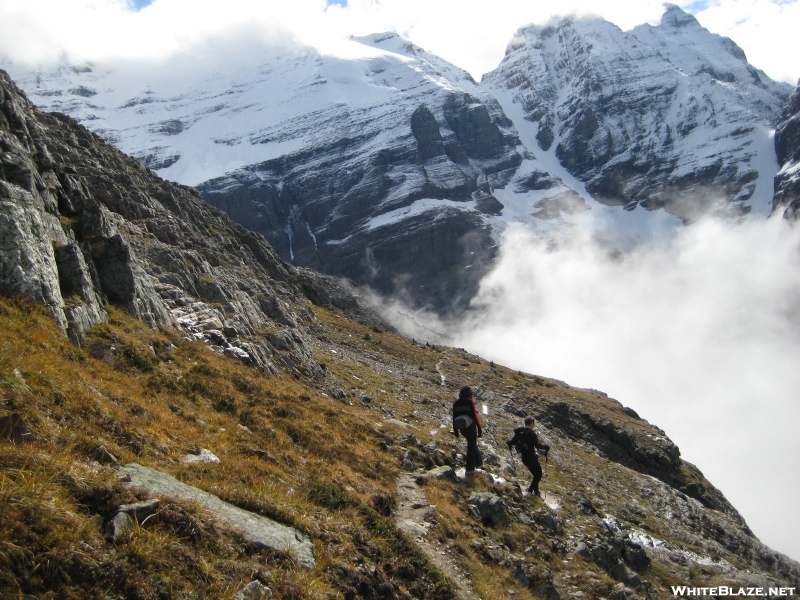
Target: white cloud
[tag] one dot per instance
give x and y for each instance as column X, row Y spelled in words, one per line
column 700, row 334
column 472, row 35
column 766, row 31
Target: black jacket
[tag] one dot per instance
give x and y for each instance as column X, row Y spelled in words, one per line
column 526, row 442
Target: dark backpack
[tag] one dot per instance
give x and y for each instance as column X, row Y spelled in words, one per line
column 517, row 442
column 462, row 415
column 519, row 446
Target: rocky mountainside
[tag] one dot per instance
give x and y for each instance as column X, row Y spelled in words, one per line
column 84, row 225
column 305, row 412
column 787, row 149
column 388, row 165
column 378, row 168
column 669, row 117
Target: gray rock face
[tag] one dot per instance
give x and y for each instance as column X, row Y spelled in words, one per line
column 348, row 205
column 256, row 529
column 82, row 226
column 787, row 149
column 489, row 508
column 660, row 117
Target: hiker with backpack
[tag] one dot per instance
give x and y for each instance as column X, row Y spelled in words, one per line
column 467, row 423
column 526, row 442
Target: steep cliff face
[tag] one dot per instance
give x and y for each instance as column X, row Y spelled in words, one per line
column 666, row 117
column 83, row 225
column 787, row 149
column 390, row 190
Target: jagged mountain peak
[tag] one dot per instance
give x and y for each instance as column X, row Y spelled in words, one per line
column 658, row 117
column 674, row 16
column 387, row 40
column 433, row 65
column 696, row 51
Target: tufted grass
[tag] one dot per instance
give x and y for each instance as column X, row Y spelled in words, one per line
column 151, row 397
column 319, row 456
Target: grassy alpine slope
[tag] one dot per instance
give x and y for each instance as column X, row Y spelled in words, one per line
column 324, row 465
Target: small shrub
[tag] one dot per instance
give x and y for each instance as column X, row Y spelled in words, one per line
column 327, row 494
column 204, row 370
column 135, row 357
column 224, row 403
column 245, row 385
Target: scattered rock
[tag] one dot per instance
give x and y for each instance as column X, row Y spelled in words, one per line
column 489, row 508
column 128, row 516
column 203, row 456
column 263, row 454
column 549, row 521
column 408, row 440
column 104, row 457
column 117, row 526
column 584, row 504
column 139, row 511
column 437, row 473
column 254, row 590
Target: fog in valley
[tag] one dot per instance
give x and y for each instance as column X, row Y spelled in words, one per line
column 697, row 330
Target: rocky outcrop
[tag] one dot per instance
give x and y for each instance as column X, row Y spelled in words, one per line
column 83, row 226
column 650, row 451
column 257, row 530
column 787, row 150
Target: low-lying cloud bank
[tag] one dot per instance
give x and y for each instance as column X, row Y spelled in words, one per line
column 699, row 332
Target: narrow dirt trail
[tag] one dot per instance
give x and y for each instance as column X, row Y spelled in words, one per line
column 414, row 517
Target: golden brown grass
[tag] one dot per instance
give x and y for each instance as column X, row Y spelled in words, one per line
column 150, row 397
column 291, row 450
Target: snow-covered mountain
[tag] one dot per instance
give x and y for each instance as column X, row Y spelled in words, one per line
column 666, row 117
column 385, row 163
column 377, row 166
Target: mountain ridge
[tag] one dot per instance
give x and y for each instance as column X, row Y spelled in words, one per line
column 361, row 164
